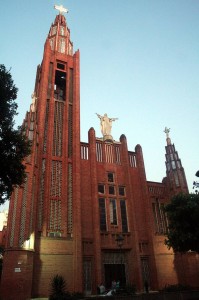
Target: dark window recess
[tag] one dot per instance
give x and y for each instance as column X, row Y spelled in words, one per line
column 101, row 188
column 123, row 216
column 60, row 85
column 111, row 190
column 102, row 211
column 121, row 190
column 54, row 234
column 61, row 66
column 110, row 177
column 113, row 213
column 159, row 217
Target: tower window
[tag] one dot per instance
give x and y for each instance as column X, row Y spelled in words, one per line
column 113, row 213
column 54, row 30
column 121, row 190
column 159, row 217
column 123, row 216
column 168, row 167
column 111, row 190
column 60, row 66
column 52, row 43
column 110, row 177
column 62, row 30
column 60, row 85
column 101, row 188
column 102, row 210
column 173, row 165
column 62, row 45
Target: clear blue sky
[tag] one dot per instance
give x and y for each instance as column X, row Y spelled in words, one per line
column 139, row 62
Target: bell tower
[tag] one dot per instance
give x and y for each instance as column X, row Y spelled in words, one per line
column 42, row 219
column 176, row 178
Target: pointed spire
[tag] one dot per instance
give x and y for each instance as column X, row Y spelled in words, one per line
column 167, row 130
column 59, row 34
column 60, row 18
column 175, row 172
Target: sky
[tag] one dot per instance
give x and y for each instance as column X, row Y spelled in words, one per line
column 139, row 62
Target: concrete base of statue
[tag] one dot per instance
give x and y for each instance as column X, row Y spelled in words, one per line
column 108, row 138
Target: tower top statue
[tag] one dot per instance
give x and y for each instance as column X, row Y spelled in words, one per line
column 61, row 9
column 106, row 125
column 167, row 130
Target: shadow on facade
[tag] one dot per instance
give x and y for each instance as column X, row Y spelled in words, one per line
column 187, row 268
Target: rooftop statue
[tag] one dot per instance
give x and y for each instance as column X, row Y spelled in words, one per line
column 61, row 9
column 167, row 130
column 106, row 124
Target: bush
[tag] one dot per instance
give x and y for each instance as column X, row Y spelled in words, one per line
column 58, row 289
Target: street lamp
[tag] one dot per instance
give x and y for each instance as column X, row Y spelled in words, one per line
column 119, row 239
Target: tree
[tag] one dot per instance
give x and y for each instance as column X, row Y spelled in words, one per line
column 183, row 218
column 196, row 183
column 14, row 146
column 58, row 288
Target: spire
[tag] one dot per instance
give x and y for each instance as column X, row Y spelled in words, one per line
column 59, row 34
column 175, row 171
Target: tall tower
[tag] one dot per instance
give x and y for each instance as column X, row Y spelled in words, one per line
column 42, row 220
column 176, row 178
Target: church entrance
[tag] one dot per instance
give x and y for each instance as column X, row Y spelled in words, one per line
column 114, row 272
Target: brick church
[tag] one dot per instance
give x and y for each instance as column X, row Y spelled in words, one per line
column 86, row 210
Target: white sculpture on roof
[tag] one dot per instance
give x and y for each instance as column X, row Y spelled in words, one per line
column 61, row 9
column 106, row 124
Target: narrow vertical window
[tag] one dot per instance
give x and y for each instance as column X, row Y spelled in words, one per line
column 102, row 210
column 101, row 188
column 54, row 30
column 60, row 85
column 71, row 85
column 121, row 190
column 113, row 212
column 62, row 30
column 111, row 190
column 62, row 45
column 159, row 217
column 99, row 152
column 123, row 216
column 110, row 177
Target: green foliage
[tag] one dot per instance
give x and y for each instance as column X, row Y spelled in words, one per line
column 59, row 290
column 14, row 146
column 176, row 288
column 183, row 218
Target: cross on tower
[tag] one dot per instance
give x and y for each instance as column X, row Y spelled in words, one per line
column 61, row 9
column 167, row 130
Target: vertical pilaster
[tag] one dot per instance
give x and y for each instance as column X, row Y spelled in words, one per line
column 95, row 209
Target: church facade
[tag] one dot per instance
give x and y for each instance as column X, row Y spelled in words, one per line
column 86, row 210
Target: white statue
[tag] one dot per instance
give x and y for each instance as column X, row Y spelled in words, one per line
column 34, row 98
column 167, row 130
column 61, row 9
column 106, row 124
